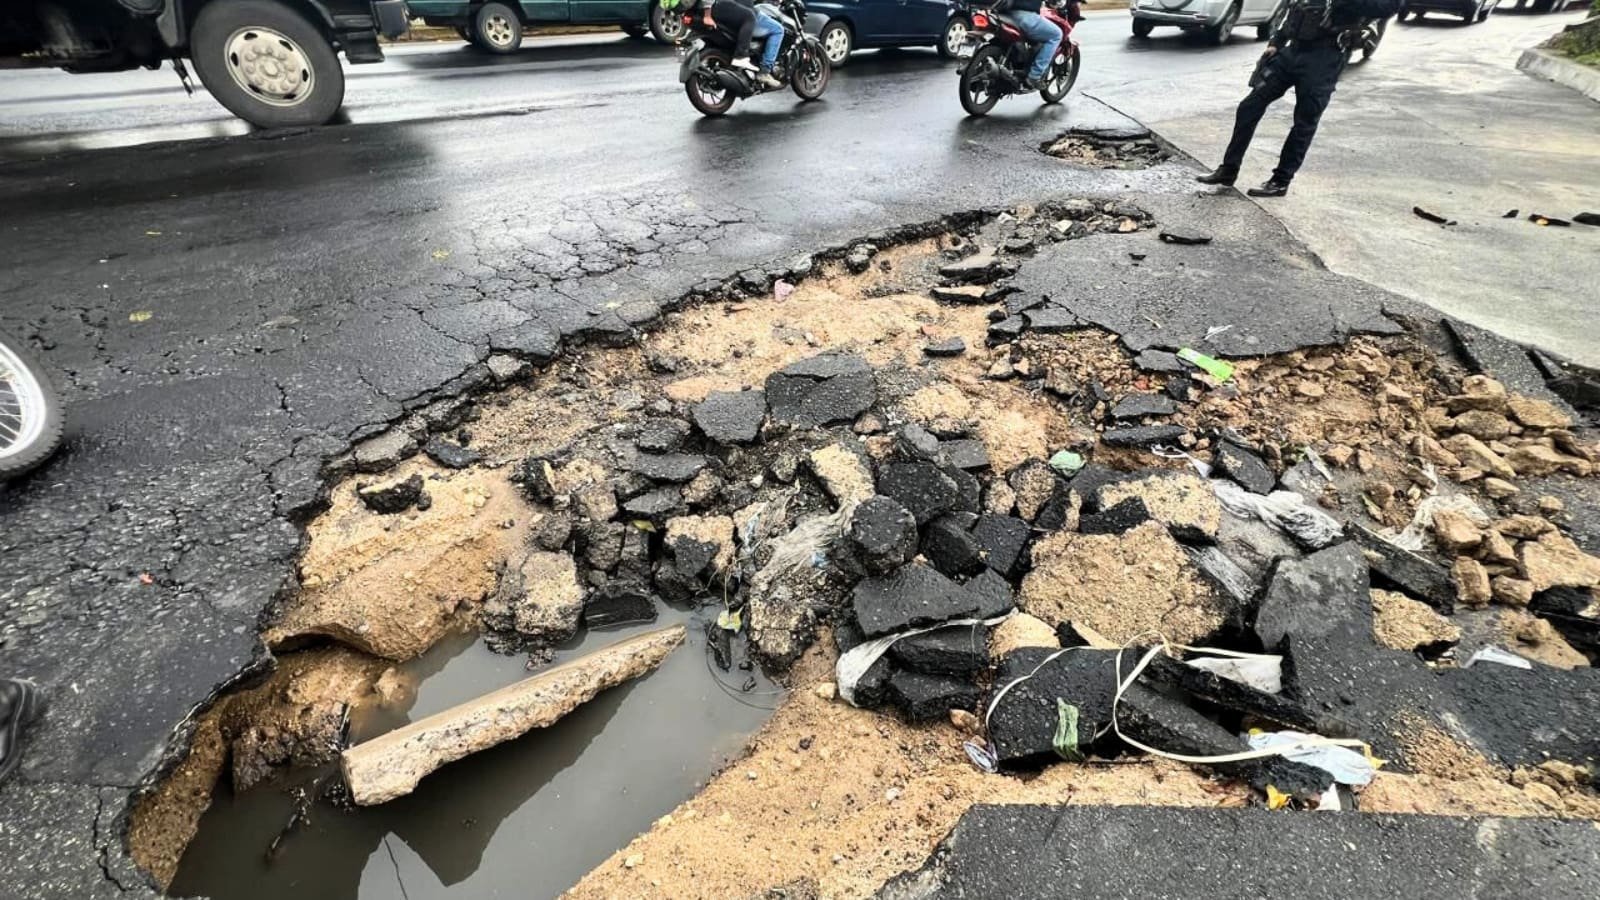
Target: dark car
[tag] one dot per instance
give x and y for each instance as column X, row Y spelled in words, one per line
column 854, row 24
column 1470, row 11
column 496, row 25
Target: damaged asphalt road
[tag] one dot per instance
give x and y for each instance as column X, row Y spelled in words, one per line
column 226, row 317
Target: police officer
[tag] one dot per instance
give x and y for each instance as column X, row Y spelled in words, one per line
column 1307, row 52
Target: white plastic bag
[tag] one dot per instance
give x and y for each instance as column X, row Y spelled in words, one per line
column 1285, row 510
column 1345, row 765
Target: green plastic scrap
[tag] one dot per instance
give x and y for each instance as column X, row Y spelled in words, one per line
column 1066, row 741
column 1216, row 368
column 1066, row 462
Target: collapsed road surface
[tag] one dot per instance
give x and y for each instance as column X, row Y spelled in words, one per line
column 289, row 310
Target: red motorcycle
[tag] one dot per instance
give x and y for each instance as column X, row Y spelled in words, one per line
column 998, row 57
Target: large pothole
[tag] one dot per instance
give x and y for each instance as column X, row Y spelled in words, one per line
column 716, row 474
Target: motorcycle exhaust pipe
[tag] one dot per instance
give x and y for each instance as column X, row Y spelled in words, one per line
column 732, row 82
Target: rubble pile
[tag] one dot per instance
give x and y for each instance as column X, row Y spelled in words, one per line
column 1129, row 148
column 991, row 512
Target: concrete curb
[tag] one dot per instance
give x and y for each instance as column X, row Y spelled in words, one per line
column 1544, row 64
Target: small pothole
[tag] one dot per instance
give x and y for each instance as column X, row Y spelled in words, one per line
column 1108, row 149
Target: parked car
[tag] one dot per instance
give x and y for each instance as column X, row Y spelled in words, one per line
column 850, row 25
column 496, row 25
column 272, row 63
column 1217, row 18
column 1470, row 11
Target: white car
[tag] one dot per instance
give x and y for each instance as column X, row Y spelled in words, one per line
column 1217, row 17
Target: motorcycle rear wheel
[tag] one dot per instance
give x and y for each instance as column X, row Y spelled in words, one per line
column 980, row 89
column 1060, row 79
column 811, row 75
column 30, row 413
column 713, row 99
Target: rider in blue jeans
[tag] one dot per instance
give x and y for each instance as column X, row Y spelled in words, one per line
column 1037, row 28
column 768, row 27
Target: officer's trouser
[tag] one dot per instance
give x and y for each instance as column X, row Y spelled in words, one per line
column 1312, row 72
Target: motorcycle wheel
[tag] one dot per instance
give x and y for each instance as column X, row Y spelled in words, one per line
column 811, row 75
column 1060, row 79
column 30, row 413
column 710, row 99
column 980, row 88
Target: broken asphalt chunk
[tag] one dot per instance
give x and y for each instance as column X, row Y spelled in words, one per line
column 949, row 546
column 1027, row 717
column 1128, row 513
column 451, row 455
column 1159, row 361
column 914, row 595
column 949, row 347
column 991, row 593
column 923, row 698
column 618, row 603
column 731, row 417
column 1137, row 406
column 1406, row 571
column 392, row 764
column 389, row 497
column 1184, row 238
column 1052, row 320
column 956, row 650
column 921, row 487
column 982, row 267
column 1142, row 435
column 964, row 293
column 966, row 453
column 1435, row 218
column 662, row 435
column 655, row 505
column 1507, row 361
column 1243, row 466
column 1315, row 596
column 1003, row 541
column 1006, row 330
column 832, row 387
column 532, row 340
column 675, row 468
column 883, row 535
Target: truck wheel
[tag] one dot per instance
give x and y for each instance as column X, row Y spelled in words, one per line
column 497, row 28
column 266, row 64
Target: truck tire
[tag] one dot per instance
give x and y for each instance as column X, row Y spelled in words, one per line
column 498, row 28
column 266, row 64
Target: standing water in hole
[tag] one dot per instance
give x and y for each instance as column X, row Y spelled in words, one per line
column 526, row 819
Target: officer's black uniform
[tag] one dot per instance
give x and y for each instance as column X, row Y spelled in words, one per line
column 1308, row 57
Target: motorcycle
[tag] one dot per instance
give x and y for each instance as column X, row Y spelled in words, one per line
column 997, row 56
column 713, row 83
column 30, row 413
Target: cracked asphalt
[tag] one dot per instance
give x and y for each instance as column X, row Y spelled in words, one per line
column 226, row 314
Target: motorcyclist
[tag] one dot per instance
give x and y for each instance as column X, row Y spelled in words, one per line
column 745, row 22
column 1035, row 28
column 1306, row 52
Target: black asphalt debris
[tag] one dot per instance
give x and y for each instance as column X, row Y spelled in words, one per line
column 1138, row 406
column 618, row 603
column 1435, row 218
column 1243, row 466
column 1403, row 570
column 832, row 387
column 948, row 544
column 1175, row 237
column 955, row 650
column 676, row 468
column 922, row 487
column 1541, row 219
column 883, row 535
column 1142, row 436
column 731, row 417
column 451, row 455
column 949, row 347
column 913, row 595
column 392, row 497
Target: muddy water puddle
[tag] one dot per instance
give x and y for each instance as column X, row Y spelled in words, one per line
column 526, row 819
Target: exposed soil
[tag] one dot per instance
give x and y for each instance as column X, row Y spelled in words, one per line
column 848, row 798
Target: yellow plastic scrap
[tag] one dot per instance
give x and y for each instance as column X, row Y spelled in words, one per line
column 1276, row 799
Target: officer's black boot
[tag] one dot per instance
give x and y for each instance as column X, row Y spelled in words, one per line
column 20, row 704
column 1272, row 188
column 1224, row 175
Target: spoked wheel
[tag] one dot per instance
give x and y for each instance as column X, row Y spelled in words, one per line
column 1062, row 76
column 981, row 82
column 30, row 414
column 706, row 93
column 811, row 76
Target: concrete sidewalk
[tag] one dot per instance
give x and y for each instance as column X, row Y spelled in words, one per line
column 1440, row 118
